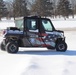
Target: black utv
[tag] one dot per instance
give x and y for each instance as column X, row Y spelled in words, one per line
column 33, row 32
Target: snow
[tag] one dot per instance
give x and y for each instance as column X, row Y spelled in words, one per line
column 40, row 61
column 64, row 24
column 6, row 23
column 61, row 23
column 13, row 64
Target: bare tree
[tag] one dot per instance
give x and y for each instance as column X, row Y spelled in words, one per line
column 54, row 8
column 64, row 8
column 42, row 8
column 9, row 5
column 3, row 9
column 20, row 8
column 73, row 7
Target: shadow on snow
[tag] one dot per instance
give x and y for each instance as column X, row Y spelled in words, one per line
column 48, row 52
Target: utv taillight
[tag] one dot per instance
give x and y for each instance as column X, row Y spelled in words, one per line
column 4, row 31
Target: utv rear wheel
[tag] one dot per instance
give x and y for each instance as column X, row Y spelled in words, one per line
column 61, row 46
column 2, row 46
column 12, row 47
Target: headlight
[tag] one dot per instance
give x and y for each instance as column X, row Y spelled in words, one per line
column 61, row 35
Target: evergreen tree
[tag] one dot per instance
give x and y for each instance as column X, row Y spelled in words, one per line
column 42, row 7
column 64, row 8
column 3, row 9
column 20, row 8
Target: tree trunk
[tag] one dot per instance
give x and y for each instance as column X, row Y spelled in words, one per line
column 0, row 18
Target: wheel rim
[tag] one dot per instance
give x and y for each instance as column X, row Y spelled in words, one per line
column 12, row 48
column 61, row 47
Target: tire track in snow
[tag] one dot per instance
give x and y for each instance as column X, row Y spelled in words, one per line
column 46, row 65
column 70, row 66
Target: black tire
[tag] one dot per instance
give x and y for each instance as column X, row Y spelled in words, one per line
column 12, row 47
column 61, row 46
column 2, row 46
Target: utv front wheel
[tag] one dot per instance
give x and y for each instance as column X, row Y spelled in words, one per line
column 61, row 46
column 12, row 47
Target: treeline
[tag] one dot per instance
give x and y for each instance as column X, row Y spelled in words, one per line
column 45, row 8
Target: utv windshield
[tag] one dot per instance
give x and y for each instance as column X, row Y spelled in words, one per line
column 19, row 23
column 47, row 25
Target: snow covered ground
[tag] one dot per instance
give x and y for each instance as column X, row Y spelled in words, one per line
column 6, row 23
column 60, row 23
column 40, row 61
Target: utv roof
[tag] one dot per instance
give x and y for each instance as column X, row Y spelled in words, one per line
column 34, row 17
column 28, row 17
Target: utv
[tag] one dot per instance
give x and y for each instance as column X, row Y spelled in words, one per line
column 33, row 31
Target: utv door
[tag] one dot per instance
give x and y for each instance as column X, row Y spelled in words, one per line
column 31, row 33
column 46, row 31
